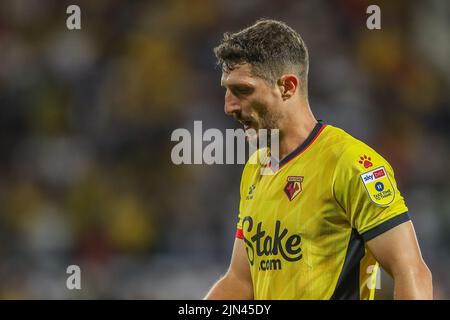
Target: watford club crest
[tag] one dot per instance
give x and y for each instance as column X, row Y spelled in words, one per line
column 293, row 186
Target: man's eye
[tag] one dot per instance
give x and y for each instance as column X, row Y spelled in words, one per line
column 242, row 90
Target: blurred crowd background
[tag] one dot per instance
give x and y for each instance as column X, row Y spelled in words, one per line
column 86, row 118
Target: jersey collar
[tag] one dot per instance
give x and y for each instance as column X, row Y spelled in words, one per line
column 308, row 141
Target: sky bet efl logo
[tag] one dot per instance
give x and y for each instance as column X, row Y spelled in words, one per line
column 378, row 186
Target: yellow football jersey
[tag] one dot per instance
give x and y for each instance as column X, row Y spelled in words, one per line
column 305, row 226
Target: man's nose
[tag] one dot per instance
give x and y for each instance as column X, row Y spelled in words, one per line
column 232, row 104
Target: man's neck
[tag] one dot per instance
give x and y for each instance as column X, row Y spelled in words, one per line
column 295, row 130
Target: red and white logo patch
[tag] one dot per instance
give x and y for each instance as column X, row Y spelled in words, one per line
column 379, row 173
column 293, row 186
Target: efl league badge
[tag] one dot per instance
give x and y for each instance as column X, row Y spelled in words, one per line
column 293, row 186
column 378, row 186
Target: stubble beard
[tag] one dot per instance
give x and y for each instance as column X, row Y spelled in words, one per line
column 269, row 122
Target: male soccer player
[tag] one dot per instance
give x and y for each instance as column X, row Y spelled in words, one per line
column 331, row 211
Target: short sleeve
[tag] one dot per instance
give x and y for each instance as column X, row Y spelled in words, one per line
column 365, row 187
column 250, row 168
column 239, row 233
column 243, row 187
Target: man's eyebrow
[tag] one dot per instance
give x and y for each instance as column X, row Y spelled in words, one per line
column 236, row 85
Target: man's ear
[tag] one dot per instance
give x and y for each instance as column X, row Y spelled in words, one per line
column 288, row 85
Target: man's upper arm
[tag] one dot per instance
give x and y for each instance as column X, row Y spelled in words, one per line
column 239, row 269
column 397, row 249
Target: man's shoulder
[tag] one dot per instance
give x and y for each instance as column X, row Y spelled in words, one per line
column 352, row 153
column 338, row 135
column 341, row 143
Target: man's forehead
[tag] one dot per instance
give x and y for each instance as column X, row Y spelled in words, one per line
column 241, row 74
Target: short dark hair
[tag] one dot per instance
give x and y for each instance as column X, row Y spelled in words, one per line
column 271, row 48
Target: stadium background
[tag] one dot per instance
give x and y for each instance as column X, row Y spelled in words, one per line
column 86, row 117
